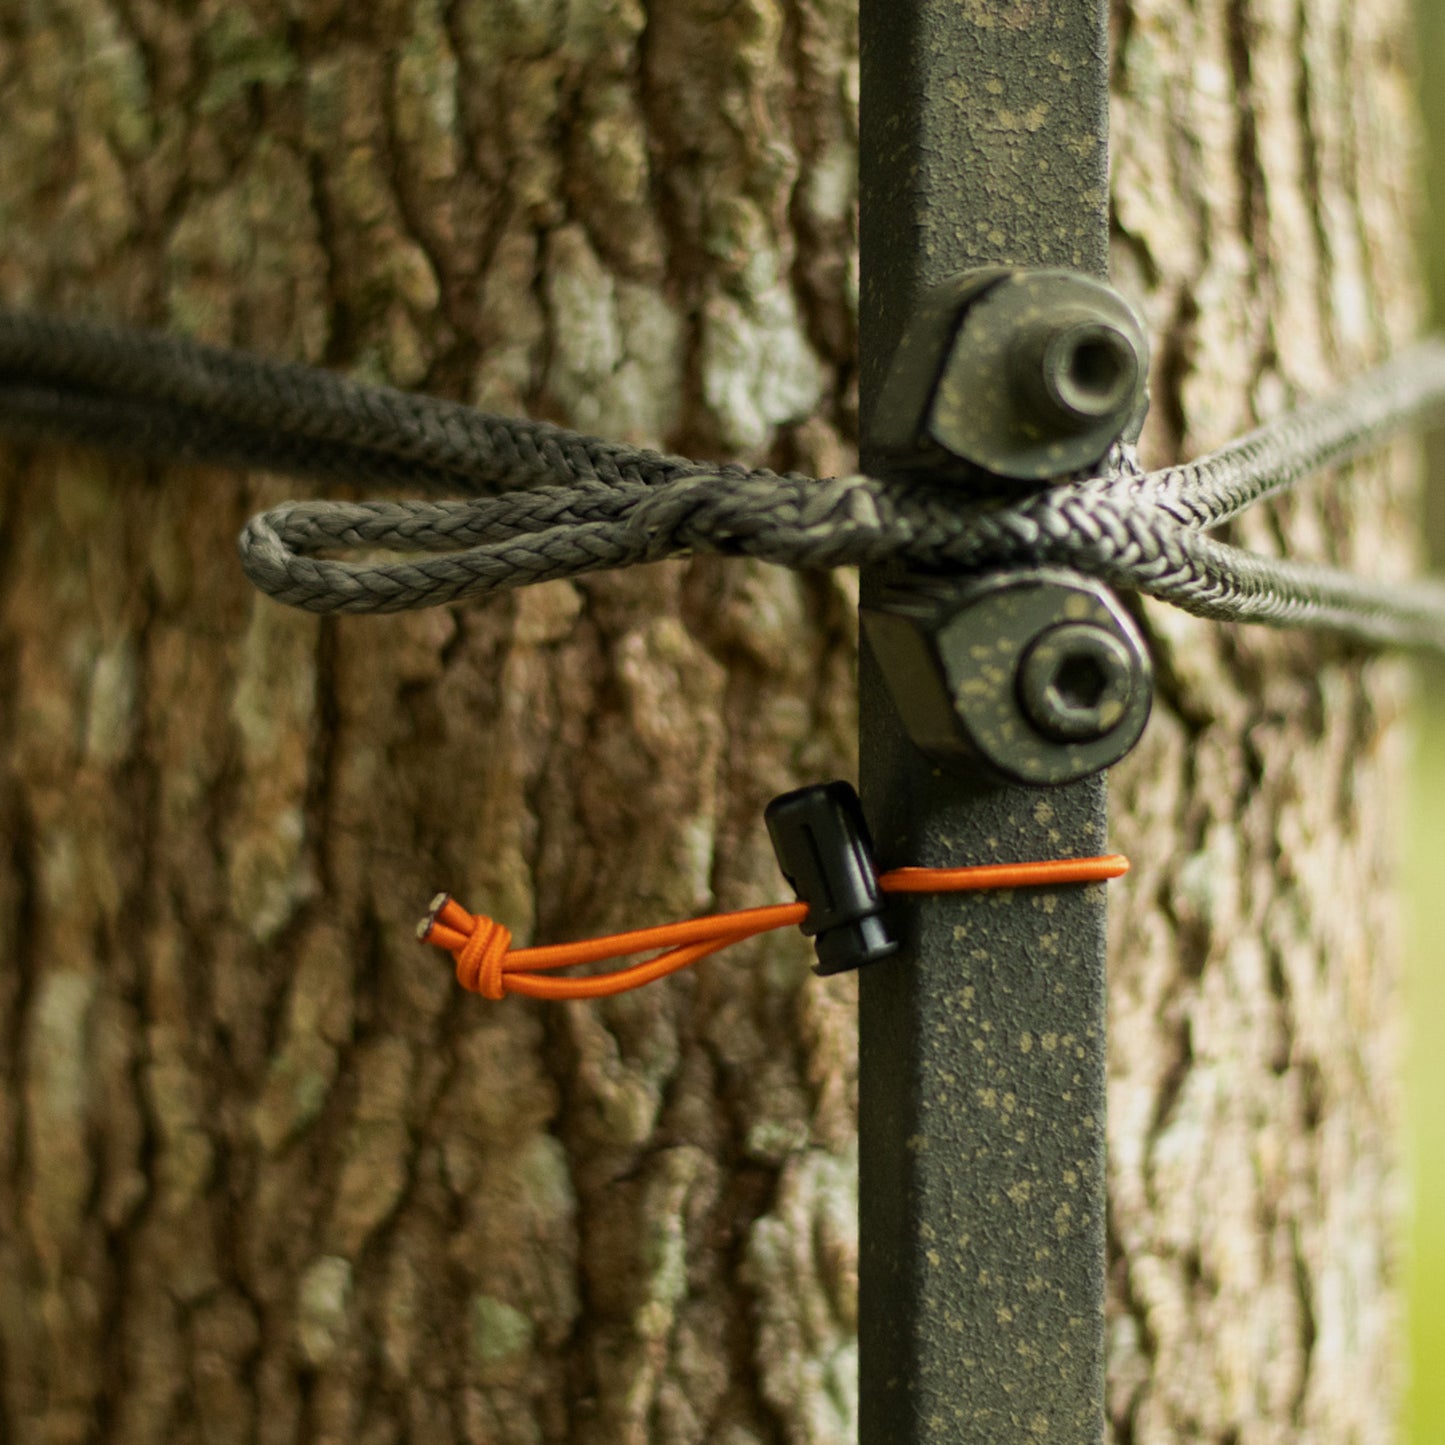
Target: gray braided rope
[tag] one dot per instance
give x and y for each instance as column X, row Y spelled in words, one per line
column 167, row 393
column 548, row 503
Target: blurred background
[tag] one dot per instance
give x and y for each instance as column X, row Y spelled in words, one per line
column 1426, row 854
column 1426, row 859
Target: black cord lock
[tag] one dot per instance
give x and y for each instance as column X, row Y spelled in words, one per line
column 822, row 845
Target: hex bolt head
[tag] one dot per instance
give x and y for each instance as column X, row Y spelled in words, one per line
column 1024, row 375
column 1038, row 676
column 1075, row 682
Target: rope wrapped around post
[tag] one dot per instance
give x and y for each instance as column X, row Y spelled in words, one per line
column 544, row 503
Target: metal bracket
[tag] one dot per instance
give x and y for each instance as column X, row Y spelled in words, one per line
column 981, row 1088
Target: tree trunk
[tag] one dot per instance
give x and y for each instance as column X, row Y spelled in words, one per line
column 265, row 1173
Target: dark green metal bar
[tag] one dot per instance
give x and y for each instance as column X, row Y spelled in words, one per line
column 984, row 140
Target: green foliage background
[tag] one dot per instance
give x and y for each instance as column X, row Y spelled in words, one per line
column 1426, row 856
column 1427, row 1017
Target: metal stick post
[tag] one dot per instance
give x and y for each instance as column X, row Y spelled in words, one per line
column 984, row 141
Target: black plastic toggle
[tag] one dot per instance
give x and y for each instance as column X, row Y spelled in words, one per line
column 824, row 850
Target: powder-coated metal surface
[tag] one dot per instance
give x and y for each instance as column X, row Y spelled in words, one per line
column 984, row 141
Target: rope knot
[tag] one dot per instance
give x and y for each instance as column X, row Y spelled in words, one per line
column 480, row 958
column 478, row 943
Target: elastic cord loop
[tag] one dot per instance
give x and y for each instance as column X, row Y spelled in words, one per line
column 488, row 965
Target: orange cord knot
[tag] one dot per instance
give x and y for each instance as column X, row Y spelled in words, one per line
column 478, row 943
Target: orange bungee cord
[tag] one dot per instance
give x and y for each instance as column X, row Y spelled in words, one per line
column 823, row 847
column 488, row 965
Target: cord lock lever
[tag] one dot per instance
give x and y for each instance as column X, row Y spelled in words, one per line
column 823, row 848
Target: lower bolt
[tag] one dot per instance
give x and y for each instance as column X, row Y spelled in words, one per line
column 1038, row 676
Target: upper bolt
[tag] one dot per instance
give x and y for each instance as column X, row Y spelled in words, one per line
column 1027, row 375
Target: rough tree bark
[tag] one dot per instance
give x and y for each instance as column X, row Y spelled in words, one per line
column 264, row 1174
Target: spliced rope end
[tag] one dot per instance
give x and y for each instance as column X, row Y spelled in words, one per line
column 487, row 964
